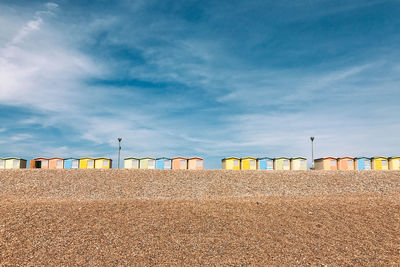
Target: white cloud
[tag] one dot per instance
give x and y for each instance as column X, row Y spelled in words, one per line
column 19, row 137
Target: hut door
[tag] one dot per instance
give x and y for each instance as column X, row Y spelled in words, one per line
column 378, row 164
column 246, row 164
column 38, row 164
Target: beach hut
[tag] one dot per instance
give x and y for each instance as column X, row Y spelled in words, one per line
column 40, row 163
column 71, row 163
column 179, row 163
column 248, row 163
column 56, row 163
column 195, row 163
column 15, row 163
column 131, row 163
column 394, row 163
column 2, row 163
column 231, row 163
column 265, row 164
column 163, row 163
column 328, row 163
column 147, row 163
column 380, row 163
column 298, row 164
column 102, row 163
column 362, row 163
column 345, row 164
column 86, row 163
column 282, row 164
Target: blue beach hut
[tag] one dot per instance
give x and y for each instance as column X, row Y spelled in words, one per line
column 71, row 163
column 163, row 163
column 362, row 163
column 265, row 163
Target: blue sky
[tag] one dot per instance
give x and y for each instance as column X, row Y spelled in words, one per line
column 199, row 78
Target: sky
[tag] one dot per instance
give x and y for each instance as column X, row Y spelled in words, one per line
column 199, row 78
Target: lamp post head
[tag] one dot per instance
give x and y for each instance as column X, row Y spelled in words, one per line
column 119, row 139
column 312, row 138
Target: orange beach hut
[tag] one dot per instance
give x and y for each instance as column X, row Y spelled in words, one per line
column 345, row 164
column 195, row 163
column 40, row 163
column 179, row 163
column 56, row 163
column 328, row 163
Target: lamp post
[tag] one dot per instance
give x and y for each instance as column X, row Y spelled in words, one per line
column 119, row 149
column 312, row 151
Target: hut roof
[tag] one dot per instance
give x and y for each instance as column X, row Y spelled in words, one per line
column 379, row 157
column 249, row 158
column 299, row 158
column 326, row 158
column 196, row 158
column 163, row 158
column 282, row 158
column 265, row 158
column 86, row 158
column 131, row 158
column 147, row 158
column 179, row 158
column 346, row 158
column 55, row 158
column 41, row 159
column 102, row 159
column 362, row 158
column 231, row 158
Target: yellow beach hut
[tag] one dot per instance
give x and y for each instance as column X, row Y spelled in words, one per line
column 298, row 164
column 248, row 163
column 86, row 163
column 394, row 163
column 380, row 163
column 131, row 163
column 147, row 163
column 102, row 163
column 231, row 163
column 2, row 163
column 282, row 164
column 15, row 163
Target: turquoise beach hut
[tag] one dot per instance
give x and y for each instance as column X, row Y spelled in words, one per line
column 163, row 163
column 362, row 163
column 265, row 163
column 71, row 163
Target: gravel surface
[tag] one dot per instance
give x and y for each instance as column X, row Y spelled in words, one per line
column 188, row 184
column 194, row 218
